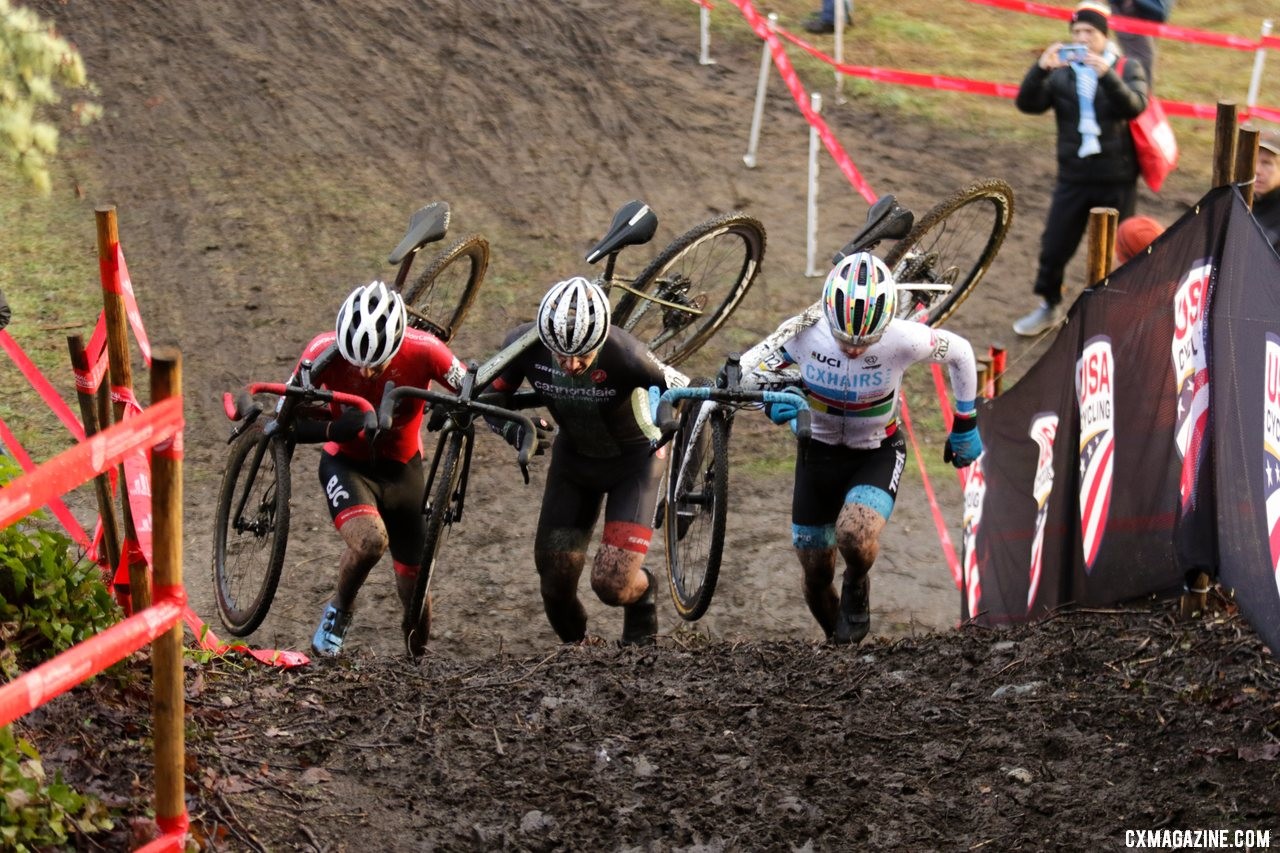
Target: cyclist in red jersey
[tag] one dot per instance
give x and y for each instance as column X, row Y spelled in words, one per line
column 374, row 488
column 597, row 383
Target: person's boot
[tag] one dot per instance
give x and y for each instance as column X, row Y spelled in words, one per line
column 640, row 620
column 329, row 637
column 854, row 618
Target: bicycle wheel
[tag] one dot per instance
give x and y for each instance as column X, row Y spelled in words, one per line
column 949, row 250
column 438, row 507
column 251, row 530
column 697, row 500
column 696, row 281
column 439, row 299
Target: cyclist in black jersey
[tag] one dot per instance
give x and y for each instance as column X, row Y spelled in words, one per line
column 596, row 381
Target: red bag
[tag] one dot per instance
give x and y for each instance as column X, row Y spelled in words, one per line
column 1154, row 141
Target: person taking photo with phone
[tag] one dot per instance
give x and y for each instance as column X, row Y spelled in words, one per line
column 1093, row 102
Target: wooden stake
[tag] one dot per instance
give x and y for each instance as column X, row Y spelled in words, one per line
column 121, row 374
column 1102, row 241
column 1224, row 143
column 101, row 483
column 166, row 650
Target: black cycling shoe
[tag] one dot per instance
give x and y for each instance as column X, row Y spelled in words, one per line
column 853, row 620
column 640, row 620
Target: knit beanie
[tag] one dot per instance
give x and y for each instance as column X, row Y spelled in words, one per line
column 1093, row 13
column 1134, row 235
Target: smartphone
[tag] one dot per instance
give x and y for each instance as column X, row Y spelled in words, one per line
column 1073, row 52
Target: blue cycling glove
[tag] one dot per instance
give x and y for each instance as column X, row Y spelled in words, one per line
column 786, row 411
column 964, row 444
column 655, row 397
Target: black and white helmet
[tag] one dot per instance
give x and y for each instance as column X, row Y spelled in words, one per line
column 371, row 324
column 573, row 318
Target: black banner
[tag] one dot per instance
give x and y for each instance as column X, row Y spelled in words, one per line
column 1245, row 369
column 1088, row 489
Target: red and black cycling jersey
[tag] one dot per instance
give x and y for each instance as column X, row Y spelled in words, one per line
column 422, row 359
column 604, row 411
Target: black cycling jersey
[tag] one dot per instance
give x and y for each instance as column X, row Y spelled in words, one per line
column 604, row 412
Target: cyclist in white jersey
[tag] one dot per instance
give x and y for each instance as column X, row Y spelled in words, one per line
column 846, row 357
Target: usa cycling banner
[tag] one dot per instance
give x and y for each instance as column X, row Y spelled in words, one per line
column 1095, row 487
column 1245, row 365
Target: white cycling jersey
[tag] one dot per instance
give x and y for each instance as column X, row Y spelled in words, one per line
column 854, row 401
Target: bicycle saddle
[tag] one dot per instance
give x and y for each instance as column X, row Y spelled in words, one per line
column 886, row 220
column 633, row 224
column 426, row 226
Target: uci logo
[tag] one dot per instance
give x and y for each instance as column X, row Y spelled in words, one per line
column 335, row 491
column 823, row 358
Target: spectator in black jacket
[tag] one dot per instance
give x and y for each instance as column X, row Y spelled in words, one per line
column 4, row 312
column 1142, row 48
column 1097, row 165
column 1266, row 186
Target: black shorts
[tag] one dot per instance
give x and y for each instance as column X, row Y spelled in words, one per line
column 392, row 490
column 576, row 487
column 831, row 476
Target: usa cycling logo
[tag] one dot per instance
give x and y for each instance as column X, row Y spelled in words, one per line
column 1094, row 372
column 1044, row 429
column 1271, row 449
column 975, row 491
column 1191, row 374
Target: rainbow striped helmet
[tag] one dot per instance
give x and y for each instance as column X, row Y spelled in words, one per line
column 859, row 299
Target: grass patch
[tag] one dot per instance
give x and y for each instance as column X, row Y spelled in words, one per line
column 962, row 39
column 53, row 293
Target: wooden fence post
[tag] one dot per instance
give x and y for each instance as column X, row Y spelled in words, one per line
column 1102, row 244
column 1224, row 143
column 121, row 375
column 101, row 483
column 166, row 654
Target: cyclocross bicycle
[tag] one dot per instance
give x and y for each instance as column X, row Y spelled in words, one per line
column 686, row 293
column 939, row 260
column 936, row 263
column 697, row 496
column 252, row 521
column 438, row 298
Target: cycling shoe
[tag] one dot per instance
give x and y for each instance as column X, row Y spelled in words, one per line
column 328, row 638
column 853, row 621
column 640, row 620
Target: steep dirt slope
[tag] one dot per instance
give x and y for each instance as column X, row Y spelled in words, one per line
column 265, row 158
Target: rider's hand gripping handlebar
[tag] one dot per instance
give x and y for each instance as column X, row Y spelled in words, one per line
column 449, row 404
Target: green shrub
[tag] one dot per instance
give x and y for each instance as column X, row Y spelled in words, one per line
column 34, row 812
column 50, row 598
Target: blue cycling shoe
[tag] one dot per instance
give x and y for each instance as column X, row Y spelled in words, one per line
column 327, row 641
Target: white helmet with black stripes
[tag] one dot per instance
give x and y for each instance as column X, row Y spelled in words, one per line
column 573, row 319
column 371, row 324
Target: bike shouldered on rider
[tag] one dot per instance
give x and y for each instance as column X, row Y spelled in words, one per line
column 601, row 386
column 846, row 357
column 373, row 485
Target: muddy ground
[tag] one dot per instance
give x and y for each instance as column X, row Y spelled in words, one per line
column 264, row 158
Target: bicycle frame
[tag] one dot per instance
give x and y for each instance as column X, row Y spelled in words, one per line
column 459, row 412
